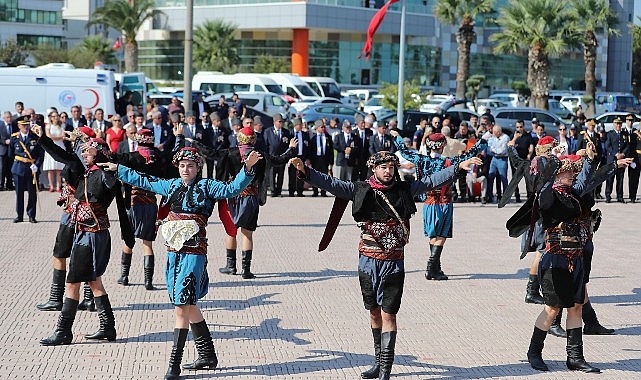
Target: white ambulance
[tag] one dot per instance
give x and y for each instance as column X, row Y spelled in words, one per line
column 59, row 87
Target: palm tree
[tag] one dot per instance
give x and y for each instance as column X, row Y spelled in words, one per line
column 215, row 47
column 592, row 15
column 542, row 28
column 463, row 13
column 635, row 30
column 100, row 48
column 126, row 16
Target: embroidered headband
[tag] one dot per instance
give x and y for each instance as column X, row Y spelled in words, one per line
column 145, row 137
column 190, row 154
column 382, row 157
column 570, row 163
column 436, row 141
column 545, row 145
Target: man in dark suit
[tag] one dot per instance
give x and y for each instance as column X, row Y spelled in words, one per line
column 343, row 145
column 129, row 144
column 321, row 152
column 216, row 138
column 201, row 106
column 361, row 150
column 261, row 145
column 191, row 129
column 295, row 185
column 164, row 138
column 616, row 147
column 633, row 170
column 75, row 120
column 28, row 156
column 277, row 140
column 99, row 123
column 380, row 141
column 6, row 129
column 231, row 114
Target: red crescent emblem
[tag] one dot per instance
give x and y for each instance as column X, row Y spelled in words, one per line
column 97, row 98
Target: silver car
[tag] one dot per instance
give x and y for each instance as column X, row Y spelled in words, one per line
column 506, row 117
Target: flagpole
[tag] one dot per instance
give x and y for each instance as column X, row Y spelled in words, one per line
column 401, row 71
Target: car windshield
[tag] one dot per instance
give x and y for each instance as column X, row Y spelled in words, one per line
column 374, row 102
column 626, row 100
column 276, row 89
column 306, row 90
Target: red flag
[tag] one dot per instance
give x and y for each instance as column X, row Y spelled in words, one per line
column 116, row 45
column 373, row 25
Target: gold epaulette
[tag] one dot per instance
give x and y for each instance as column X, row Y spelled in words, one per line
column 582, row 132
column 15, row 134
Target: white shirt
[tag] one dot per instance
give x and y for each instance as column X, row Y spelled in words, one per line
column 320, row 144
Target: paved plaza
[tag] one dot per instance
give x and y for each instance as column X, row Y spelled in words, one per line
column 302, row 316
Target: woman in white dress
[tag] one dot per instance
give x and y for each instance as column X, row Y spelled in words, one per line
column 55, row 130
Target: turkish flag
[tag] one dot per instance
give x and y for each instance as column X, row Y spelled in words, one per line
column 116, row 45
column 373, row 25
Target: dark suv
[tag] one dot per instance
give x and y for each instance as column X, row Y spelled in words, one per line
column 413, row 118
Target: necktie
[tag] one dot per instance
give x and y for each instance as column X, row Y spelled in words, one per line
column 363, row 137
column 381, row 138
column 133, row 146
column 278, row 133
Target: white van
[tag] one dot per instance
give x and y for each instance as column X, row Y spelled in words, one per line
column 133, row 82
column 267, row 102
column 58, row 87
column 211, row 82
column 324, row 86
column 294, row 86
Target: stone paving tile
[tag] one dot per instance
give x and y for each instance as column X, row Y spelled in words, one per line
column 302, row 317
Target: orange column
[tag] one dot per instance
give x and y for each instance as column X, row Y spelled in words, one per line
column 300, row 52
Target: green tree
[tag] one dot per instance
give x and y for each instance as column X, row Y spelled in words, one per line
column 593, row 15
column 44, row 54
column 12, row 54
column 463, row 13
column 411, row 96
column 100, row 48
column 542, row 28
column 215, row 47
column 522, row 89
column 266, row 64
column 126, row 16
column 474, row 84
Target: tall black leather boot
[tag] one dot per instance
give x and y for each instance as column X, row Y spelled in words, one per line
column 555, row 328
column 88, row 302
column 107, row 328
column 574, row 348
column 56, row 292
column 388, row 342
column 207, row 358
column 535, row 352
column 180, row 337
column 532, row 294
column 231, row 263
column 591, row 325
column 373, row 372
column 247, row 263
column 149, row 272
column 125, row 261
column 62, row 334
column 434, row 271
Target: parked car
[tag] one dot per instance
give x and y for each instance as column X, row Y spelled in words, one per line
column 606, row 119
column 299, row 105
column 512, row 99
column 268, row 102
column 412, row 118
column 373, row 105
column 328, row 111
column 508, row 116
column 572, row 102
column 616, row 102
column 484, row 104
column 433, row 103
column 559, row 109
column 162, row 99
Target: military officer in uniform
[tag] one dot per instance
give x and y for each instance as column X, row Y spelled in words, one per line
column 633, row 152
column 616, row 147
column 27, row 157
column 591, row 136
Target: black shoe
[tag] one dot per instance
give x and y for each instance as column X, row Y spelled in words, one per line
column 483, row 201
column 598, row 196
column 314, row 194
column 32, row 220
column 608, row 200
column 557, row 330
column 633, row 201
column 18, row 220
column 620, row 200
column 300, row 195
column 11, row 188
column 323, row 195
column 291, row 195
column 597, row 330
